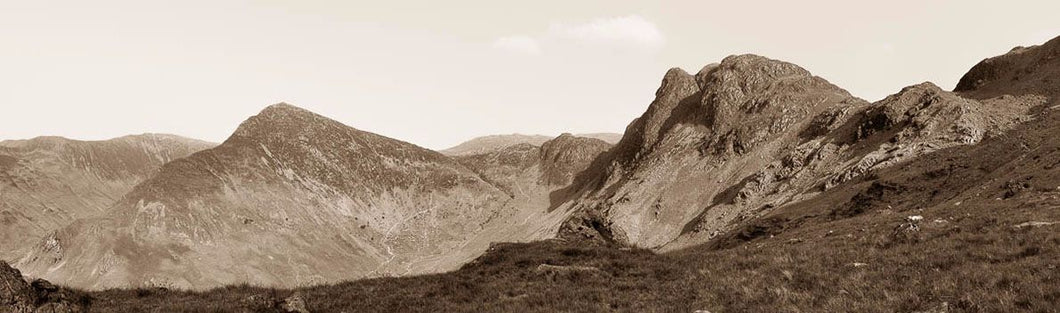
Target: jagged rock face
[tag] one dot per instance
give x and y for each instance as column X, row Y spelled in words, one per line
column 47, row 182
column 750, row 134
column 15, row 294
column 290, row 198
column 921, row 119
column 1022, row 71
column 701, row 131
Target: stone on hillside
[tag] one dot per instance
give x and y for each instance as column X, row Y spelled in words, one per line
column 295, row 304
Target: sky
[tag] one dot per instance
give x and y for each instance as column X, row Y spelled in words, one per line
column 436, row 73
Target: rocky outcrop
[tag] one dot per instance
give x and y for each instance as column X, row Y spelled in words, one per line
column 40, row 296
column 16, row 295
column 295, row 304
column 720, row 125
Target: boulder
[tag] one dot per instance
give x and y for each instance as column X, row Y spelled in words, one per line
column 295, row 304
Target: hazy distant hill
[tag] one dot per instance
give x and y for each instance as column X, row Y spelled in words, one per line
column 611, row 138
column 487, row 144
column 492, row 143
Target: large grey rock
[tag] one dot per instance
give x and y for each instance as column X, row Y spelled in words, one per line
column 295, row 304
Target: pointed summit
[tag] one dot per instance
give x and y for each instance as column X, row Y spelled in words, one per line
column 284, row 108
column 283, row 121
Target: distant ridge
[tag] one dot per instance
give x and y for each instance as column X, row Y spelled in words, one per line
column 492, row 143
column 47, row 182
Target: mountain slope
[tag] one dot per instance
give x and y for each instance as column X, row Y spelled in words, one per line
column 290, row 198
column 1023, row 71
column 48, row 182
column 750, row 134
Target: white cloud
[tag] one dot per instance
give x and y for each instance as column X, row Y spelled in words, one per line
column 631, row 32
column 887, row 47
column 628, row 31
column 518, row 44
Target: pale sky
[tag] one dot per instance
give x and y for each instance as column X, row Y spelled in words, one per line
column 436, row 73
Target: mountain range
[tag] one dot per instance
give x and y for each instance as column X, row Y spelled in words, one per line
column 748, row 158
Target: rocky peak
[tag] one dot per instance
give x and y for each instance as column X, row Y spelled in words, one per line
column 748, row 98
column 678, row 88
column 740, row 101
column 714, row 129
column 284, row 121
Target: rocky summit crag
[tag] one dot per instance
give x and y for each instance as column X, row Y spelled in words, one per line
column 751, row 134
